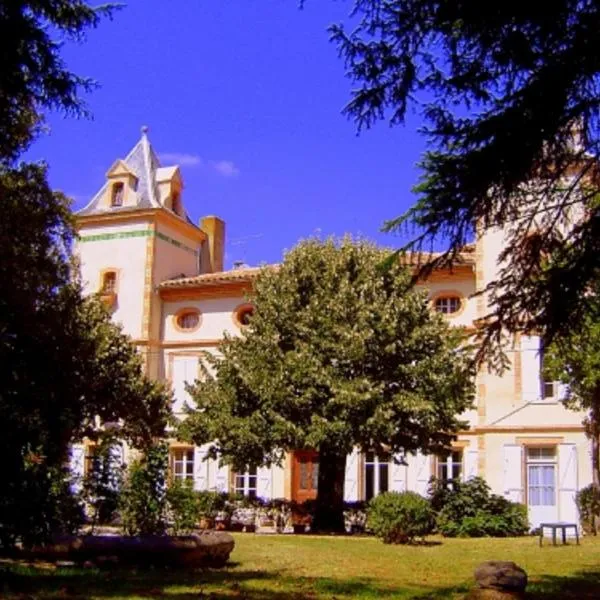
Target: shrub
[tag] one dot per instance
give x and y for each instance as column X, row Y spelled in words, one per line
column 210, row 503
column 399, row 518
column 102, row 484
column 468, row 509
column 588, row 503
column 182, row 506
column 143, row 500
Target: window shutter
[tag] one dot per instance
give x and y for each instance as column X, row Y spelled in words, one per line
column 567, row 482
column 76, row 466
column 530, row 368
column 200, row 469
column 221, row 477
column 513, row 475
column 264, row 476
column 471, row 463
column 185, row 370
column 351, row 477
column 398, row 473
column 423, row 464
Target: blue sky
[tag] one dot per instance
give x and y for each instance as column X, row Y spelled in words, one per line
column 246, row 95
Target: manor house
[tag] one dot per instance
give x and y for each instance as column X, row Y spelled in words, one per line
column 163, row 277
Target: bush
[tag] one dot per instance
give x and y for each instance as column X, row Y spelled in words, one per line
column 588, row 503
column 182, row 506
column 143, row 500
column 468, row 509
column 398, row 518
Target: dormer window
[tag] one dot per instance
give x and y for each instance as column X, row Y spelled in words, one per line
column 176, row 203
column 117, row 193
column 109, row 282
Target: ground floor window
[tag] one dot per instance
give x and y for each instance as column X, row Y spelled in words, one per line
column 244, row 484
column 182, row 463
column 376, row 474
column 91, row 459
column 541, row 476
column 450, row 468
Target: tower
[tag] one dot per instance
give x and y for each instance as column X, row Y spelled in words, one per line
column 135, row 233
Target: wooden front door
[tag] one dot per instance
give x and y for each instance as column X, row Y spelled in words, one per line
column 305, row 475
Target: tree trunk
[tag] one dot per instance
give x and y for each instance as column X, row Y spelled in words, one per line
column 594, row 434
column 329, row 511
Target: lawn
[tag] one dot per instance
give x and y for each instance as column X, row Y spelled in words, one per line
column 306, row 567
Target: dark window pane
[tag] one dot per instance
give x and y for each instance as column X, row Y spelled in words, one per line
column 369, row 481
column 383, row 477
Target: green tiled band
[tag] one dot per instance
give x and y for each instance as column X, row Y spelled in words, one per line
column 102, row 237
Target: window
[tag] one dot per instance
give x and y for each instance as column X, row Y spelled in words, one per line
column 448, row 305
column 549, row 389
column 541, row 476
column 182, row 461
column 450, row 468
column 244, row 484
column 243, row 315
column 187, row 320
column 91, row 458
column 176, row 203
column 116, row 194
column 377, row 474
column 109, row 282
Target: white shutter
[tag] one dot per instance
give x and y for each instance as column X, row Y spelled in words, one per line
column 398, row 473
column 185, row 370
column 567, row 482
column 221, row 477
column 264, row 476
column 530, row 368
column 513, row 474
column 76, row 466
column 471, row 458
column 200, row 469
column 351, row 477
column 423, row 468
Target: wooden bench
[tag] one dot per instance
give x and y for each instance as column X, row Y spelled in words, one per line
column 554, row 527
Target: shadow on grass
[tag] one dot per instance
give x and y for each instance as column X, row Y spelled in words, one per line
column 18, row 582
column 583, row 585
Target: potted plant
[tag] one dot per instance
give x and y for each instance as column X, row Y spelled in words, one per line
column 208, row 507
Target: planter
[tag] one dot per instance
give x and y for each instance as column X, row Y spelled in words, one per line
column 206, row 523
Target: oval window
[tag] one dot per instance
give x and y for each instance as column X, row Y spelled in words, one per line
column 188, row 320
column 243, row 315
column 448, row 305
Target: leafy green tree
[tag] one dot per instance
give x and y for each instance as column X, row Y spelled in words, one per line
column 510, row 98
column 339, row 353
column 575, row 361
column 64, row 363
column 34, row 77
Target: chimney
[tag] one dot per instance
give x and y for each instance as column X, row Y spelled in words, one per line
column 214, row 228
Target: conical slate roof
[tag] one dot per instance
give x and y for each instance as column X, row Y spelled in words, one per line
column 143, row 162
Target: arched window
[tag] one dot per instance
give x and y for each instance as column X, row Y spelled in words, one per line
column 117, row 193
column 109, row 282
column 176, row 203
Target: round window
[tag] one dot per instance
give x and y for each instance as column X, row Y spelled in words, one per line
column 243, row 315
column 448, row 305
column 188, row 320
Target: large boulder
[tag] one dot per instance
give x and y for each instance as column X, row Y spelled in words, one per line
column 504, row 576
column 211, row 548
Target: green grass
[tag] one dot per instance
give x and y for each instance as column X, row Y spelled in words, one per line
column 306, row 567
